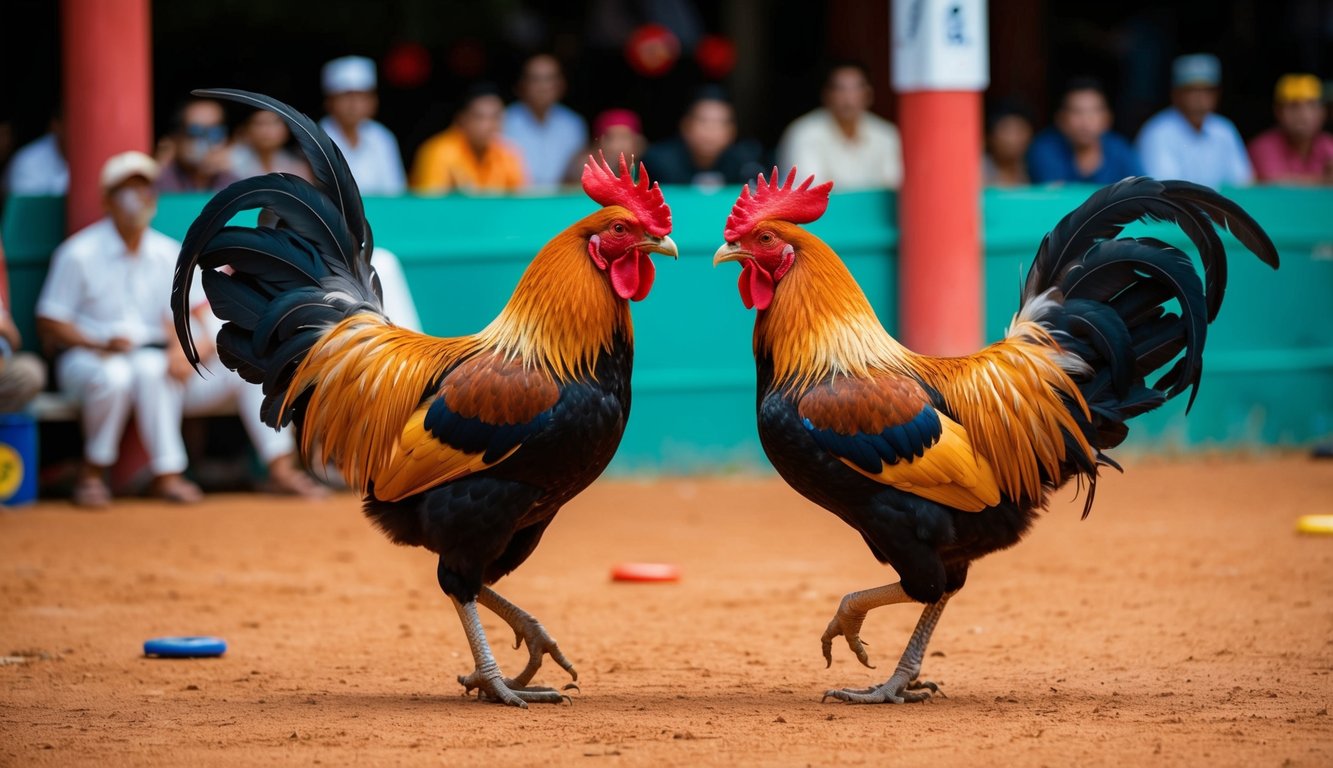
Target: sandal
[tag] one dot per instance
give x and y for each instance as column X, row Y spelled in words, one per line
column 176, row 489
column 92, row 493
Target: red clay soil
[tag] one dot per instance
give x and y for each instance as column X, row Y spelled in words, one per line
column 1184, row 623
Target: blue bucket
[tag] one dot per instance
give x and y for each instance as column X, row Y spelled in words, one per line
column 18, row 459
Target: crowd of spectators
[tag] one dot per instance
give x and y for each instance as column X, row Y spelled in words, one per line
column 1187, row 140
column 537, row 144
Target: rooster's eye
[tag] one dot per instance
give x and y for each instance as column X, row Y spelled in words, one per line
column 766, row 238
column 618, row 228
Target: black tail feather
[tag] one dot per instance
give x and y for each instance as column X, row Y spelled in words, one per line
column 1116, row 294
column 278, row 287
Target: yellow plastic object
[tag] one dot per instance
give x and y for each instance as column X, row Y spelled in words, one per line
column 1315, row 524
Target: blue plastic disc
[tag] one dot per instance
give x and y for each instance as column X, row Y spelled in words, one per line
column 185, row 647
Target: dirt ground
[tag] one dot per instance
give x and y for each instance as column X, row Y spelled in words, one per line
column 1184, row 623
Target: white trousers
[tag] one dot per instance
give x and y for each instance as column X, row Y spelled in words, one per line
column 219, row 388
column 110, row 387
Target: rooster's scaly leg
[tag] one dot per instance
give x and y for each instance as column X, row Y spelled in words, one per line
column 527, row 630
column 486, row 676
column 903, row 686
column 852, row 612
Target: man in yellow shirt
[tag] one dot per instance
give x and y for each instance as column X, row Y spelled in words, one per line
column 471, row 156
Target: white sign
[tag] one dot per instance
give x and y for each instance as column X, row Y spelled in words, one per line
column 940, row 45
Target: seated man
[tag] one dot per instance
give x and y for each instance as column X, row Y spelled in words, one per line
column 1297, row 150
column 105, row 311
column 101, row 311
column 197, row 158
column 1189, row 140
column 471, row 155
column 547, row 134
column 705, row 152
column 1080, row 146
column 371, row 150
column 843, row 140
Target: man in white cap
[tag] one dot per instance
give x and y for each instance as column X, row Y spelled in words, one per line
column 1189, row 140
column 105, row 312
column 101, row 312
column 370, row 148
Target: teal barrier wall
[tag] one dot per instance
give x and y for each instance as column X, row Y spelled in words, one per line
column 1269, row 368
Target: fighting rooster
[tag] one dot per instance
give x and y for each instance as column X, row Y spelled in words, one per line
column 939, row 461
column 466, row 446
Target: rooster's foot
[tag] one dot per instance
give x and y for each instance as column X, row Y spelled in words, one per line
column 503, row 691
column 528, row 630
column 897, row 690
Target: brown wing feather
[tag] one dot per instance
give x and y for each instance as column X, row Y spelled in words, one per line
column 489, row 388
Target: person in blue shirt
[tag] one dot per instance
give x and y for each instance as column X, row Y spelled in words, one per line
column 1189, row 140
column 1080, row 146
column 546, row 132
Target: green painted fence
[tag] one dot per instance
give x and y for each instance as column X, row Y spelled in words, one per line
column 1269, row 369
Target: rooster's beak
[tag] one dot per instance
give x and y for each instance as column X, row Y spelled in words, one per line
column 663, row 245
column 730, row 252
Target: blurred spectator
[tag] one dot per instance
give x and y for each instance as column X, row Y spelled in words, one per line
column 546, row 133
column 22, row 374
column 370, row 148
column 705, row 152
column 39, row 167
column 218, row 389
column 842, row 140
column 614, row 132
column 1297, row 150
column 261, row 147
column 398, row 304
column 471, row 155
column 102, row 312
column 1188, row 140
column 1008, row 134
column 196, row 156
column 1080, row 146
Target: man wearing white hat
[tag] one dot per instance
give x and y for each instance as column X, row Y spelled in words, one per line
column 1189, row 140
column 370, row 148
column 101, row 310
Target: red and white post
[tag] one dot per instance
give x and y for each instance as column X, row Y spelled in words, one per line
column 940, row 69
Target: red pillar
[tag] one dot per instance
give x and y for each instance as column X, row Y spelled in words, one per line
column 106, row 53
column 940, row 68
column 940, row 278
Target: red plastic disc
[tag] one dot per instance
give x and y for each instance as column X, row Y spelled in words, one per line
column 645, row 572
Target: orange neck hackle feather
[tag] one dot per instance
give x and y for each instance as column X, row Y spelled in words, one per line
column 1008, row 397
column 563, row 313
column 367, row 377
column 820, row 323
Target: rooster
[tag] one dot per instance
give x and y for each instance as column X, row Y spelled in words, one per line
column 466, row 446
column 939, row 461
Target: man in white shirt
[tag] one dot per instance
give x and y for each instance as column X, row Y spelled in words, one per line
column 39, row 167
column 546, row 132
column 843, row 141
column 105, row 307
column 102, row 308
column 1188, row 140
column 370, row 148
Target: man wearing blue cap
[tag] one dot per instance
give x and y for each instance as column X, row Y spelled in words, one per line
column 1188, row 140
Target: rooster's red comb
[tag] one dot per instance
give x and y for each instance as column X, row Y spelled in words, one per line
column 644, row 201
column 770, row 200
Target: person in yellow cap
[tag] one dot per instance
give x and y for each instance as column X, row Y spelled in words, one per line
column 1297, row 150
